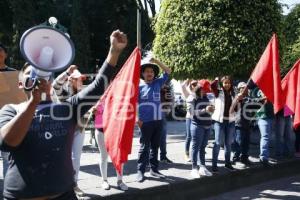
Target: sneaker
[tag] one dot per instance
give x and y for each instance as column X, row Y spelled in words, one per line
column 235, row 159
column 246, row 162
column 187, row 158
column 157, row 174
column 195, row 173
column 265, row 163
column 166, row 160
column 215, row 169
column 78, row 191
column 203, row 171
column 297, row 154
column 140, row 177
column 122, row 186
column 229, row 167
column 105, row 185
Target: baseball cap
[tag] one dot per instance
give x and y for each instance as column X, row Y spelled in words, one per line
column 205, row 85
column 241, row 85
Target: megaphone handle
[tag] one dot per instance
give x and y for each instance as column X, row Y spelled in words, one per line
column 43, row 96
column 35, row 83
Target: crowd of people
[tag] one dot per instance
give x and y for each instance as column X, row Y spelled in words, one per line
column 232, row 114
column 41, row 154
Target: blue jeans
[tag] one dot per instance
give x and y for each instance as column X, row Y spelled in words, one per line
column 199, row 141
column 188, row 122
column 283, row 135
column 225, row 129
column 163, row 138
column 149, row 144
column 297, row 139
column 265, row 128
column 241, row 143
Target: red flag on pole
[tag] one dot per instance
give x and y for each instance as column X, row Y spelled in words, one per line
column 291, row 91
column 266, row 74
column 120, row 103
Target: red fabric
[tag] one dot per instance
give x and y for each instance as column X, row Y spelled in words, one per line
column 266, row 74
column 120, row 103
column 291, row 91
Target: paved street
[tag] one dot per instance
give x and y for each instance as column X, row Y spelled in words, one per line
column 285, row 188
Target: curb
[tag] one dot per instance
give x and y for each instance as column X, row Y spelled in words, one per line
column 211, row 186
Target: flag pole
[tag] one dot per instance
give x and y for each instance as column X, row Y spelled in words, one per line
column 138, row 31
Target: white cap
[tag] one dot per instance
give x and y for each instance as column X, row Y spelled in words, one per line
column 242, row 85
column 76, row 74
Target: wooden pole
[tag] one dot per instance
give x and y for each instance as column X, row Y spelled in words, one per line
column 138, row 31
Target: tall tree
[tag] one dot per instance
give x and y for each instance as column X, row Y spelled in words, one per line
column 291, row 32
column 105, row 16
column 88, row 22
column 6, row 22
column 291, row 27
column 24, row 13
column 80, row 34
column 144, row 6
column 200, row 38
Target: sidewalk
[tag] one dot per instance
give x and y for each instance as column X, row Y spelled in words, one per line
column 179, row 183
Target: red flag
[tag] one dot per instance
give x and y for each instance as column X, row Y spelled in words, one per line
column 120, row 103
column 291, row 91
column 266, row 74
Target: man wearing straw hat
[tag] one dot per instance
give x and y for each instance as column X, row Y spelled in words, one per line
column 150, row 117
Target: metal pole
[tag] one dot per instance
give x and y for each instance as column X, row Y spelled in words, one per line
column 138, row 31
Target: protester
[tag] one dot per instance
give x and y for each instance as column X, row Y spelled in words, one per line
column 283, row 134
column 166, row 101
column 264, row 116
column 4, row 68
column 39, row 136
column 64, row 86
column 188, row 90
column 245, row 108
column 149, row 117
column 3, row 57
column 99, row 134
column 223, row 120
column 200, row 128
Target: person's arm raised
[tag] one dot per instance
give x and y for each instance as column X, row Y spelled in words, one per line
column 91, row 94
column 161, row 65
column 118, row 41
column 58, row 83
column 184, row 87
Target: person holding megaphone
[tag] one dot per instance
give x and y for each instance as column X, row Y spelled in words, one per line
column 38, row 134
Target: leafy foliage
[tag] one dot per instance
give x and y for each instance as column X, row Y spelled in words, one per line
column 291, row 32
column 89, row 24
column 291, row 27
column 200, row 38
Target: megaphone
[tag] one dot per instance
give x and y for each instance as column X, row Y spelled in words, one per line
column 47, row 50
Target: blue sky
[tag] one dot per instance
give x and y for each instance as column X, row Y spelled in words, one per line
column 290, row 3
